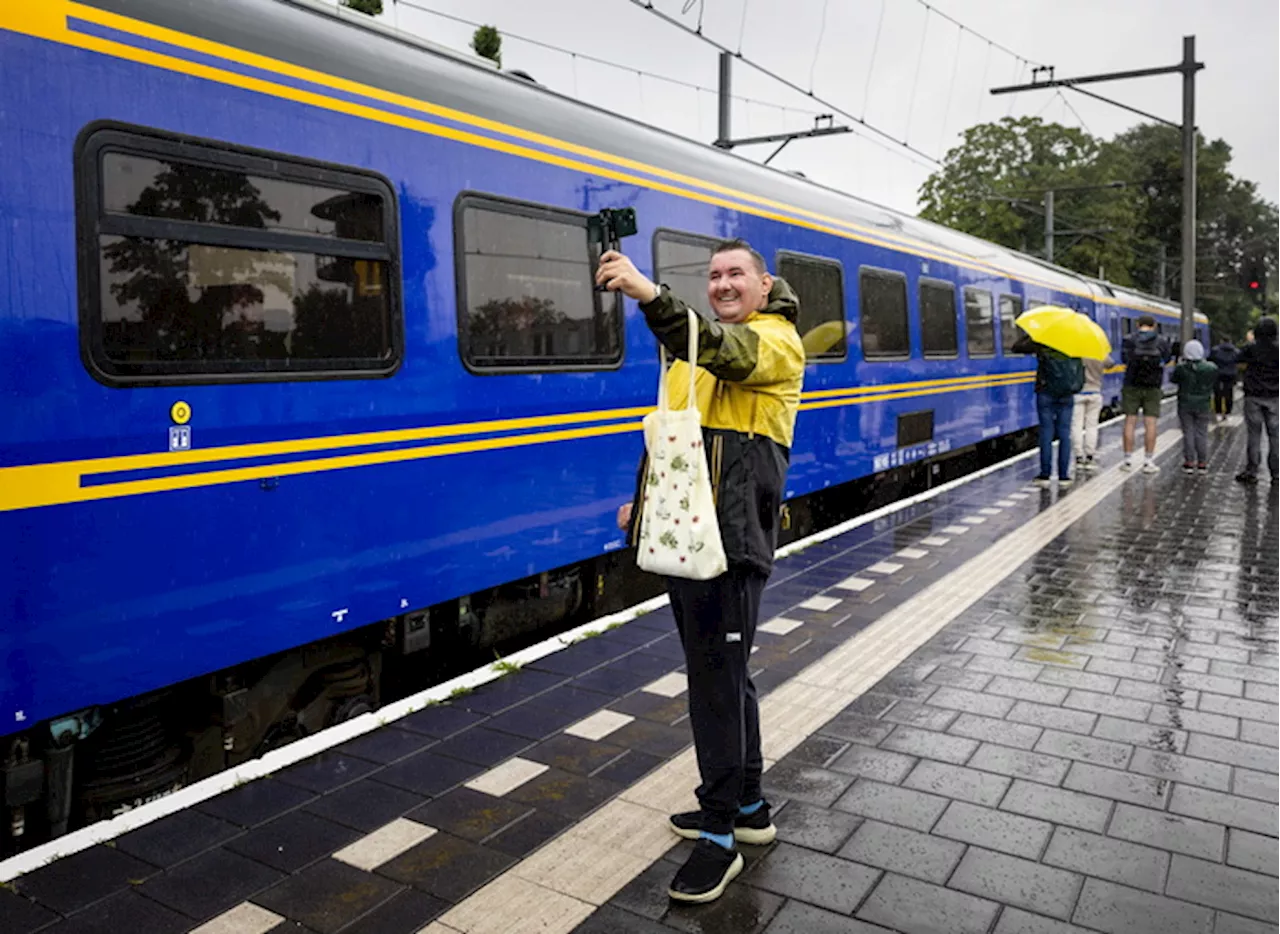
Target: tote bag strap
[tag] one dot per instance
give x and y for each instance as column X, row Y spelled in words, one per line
column 690, row 402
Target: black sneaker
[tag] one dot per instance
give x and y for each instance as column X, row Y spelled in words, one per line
column 1246, row 477
column 706, row 873
column 1042, row 481
column 755, row 829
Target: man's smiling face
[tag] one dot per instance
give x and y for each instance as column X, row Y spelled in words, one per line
column 736, row 287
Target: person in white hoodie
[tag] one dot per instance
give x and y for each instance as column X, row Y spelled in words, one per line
column 1086, row 412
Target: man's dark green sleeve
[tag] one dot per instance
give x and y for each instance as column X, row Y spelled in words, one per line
column 726, row 351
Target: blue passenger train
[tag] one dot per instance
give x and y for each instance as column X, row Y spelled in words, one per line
column 303, row 374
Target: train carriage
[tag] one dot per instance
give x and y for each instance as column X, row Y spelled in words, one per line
column 300, row 354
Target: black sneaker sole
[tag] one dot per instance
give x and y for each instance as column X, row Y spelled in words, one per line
column 752, row 836
column 711, row 895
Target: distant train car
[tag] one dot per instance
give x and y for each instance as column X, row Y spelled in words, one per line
column 304, row 375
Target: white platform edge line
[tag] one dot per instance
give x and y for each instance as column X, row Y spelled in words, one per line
column 307, row 747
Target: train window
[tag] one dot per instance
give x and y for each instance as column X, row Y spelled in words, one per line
column 211, row 263
column 1128, row 326
column 681, row 262
column 980, row 323
column 884, row 314
column 819, row 283
column 1010, row 308
column 526, row 294
column 938, row 329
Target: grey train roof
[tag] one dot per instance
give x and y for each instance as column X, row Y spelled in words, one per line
column 312, row 35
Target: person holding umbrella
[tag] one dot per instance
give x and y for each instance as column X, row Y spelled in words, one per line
column 1059, row 337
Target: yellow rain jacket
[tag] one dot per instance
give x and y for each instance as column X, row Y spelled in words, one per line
column 748, row 390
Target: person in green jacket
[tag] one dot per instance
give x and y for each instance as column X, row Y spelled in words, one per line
column 1196, row 378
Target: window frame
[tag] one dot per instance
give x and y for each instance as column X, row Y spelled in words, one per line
column 970, row 353
column 950, row 286
column 500, row 204
column 673, row 235
column 814, row 259
column 101, row 137
column 880, row 272
column 1017, row 303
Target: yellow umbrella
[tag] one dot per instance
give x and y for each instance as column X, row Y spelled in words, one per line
column 823, row 338
column 1065, row 330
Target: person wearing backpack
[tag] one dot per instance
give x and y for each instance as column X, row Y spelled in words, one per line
column 1058, row 379
column 1196, row 379
column 1144, row 355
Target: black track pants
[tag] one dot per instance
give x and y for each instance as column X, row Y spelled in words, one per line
column 717, row 623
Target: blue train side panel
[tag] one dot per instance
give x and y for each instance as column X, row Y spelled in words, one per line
column 112, row 597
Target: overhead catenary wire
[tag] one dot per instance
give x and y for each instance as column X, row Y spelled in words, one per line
column 901, row 146
column 575, row 55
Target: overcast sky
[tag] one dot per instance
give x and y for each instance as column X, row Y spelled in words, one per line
column 927, row 99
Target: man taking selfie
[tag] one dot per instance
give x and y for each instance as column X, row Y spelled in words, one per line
column 750, row 370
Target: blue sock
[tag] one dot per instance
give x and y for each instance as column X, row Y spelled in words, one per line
column 751, row 808
column 723, row 839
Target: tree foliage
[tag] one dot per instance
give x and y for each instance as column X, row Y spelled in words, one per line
column 371, row 7
column 992, row 185
column 487, row 43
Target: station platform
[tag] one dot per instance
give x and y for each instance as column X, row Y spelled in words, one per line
column 1004, row 709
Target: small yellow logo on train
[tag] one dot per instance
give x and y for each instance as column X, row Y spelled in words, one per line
column 180, row 412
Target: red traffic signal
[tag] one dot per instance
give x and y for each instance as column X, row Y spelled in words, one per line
column 1254, row 285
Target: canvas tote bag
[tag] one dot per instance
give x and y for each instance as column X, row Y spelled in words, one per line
column 679, row 534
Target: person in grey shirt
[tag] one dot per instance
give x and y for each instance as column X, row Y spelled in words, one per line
column 1085, row 414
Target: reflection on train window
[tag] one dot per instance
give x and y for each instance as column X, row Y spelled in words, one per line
column 938, row 329
column 169, row 301
column 526, row 294
column 980, row 323
column 218, row 264
column 1010, row 308
column 681, row 263
column 168, row 188
column 819, row 284
column 884, row 314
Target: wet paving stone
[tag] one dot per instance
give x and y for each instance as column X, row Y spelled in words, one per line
column 175, row 838
column 799, row 918
column 990, row 730
column 916, row 907
column 815, row 878
column 209, row 884
column 1057, row 805
column 814, row 828
column 1235, row 890
column 292, row 841
column 878, row 764
column 996, row 830
column 1085, row 749
column 328, row 896
column 890, row 803
column 471, row 815
column 446, row 866
column 805, row 783
column 1091, row 854
column 743, row 909
column 1122, row 786
column 954, row 781
column 82, row 878
column 907, row 852
column 818, row 750
column 930, row 745
column 366, row 805
column 125, row 912
column 1018, row 763
column 1230, row 810
column 1018, row 882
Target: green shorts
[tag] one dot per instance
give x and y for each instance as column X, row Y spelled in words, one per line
column 1135, row 399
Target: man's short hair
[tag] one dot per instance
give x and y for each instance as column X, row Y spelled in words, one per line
column 1146, row 321
column 737, row 243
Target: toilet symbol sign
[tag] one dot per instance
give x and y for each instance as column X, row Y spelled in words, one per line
column 179, row 437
